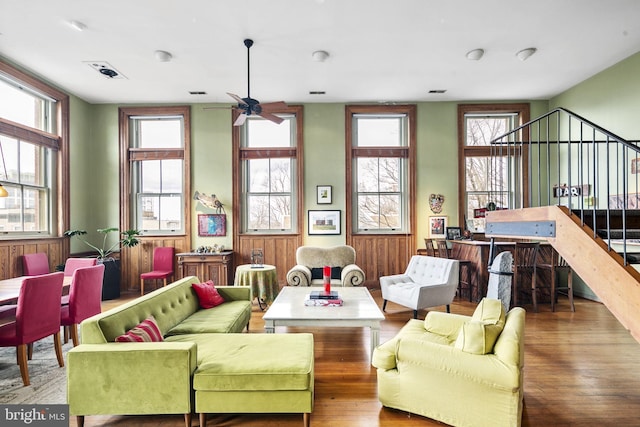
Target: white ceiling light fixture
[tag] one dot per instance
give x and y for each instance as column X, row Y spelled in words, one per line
column 475, row 54
column 320, row 55
column 77, row 25
column 163, row 56
column 524, row 54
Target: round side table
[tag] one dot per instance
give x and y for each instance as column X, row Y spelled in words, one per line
column 263, row 281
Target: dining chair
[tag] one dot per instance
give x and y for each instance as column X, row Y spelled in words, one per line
column 85, row 295
column 429, row 245
column 37, row 317
column 559, row 264
column 464, row 272
column 35, row 264
column 74, row 263
column 525, row 257
column 162, row 266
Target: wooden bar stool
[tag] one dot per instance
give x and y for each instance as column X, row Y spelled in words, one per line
column 464, row 271
column 558, row 264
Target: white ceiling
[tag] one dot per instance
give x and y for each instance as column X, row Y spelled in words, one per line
column 380, row 50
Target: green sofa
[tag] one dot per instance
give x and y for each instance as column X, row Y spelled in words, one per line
column 106, row 377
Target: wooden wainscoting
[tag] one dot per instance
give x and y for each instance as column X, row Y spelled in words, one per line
column 11, row 251
column 382, row 255
column 279, row 250
column 139, row 259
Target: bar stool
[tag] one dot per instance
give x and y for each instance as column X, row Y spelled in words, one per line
column 524, row 265
column 558, row 264
column 463, row 272
column 430, row 250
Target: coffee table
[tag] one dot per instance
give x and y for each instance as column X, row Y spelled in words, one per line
column 358, row 309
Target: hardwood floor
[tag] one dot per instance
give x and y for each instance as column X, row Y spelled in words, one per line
column 580, row 369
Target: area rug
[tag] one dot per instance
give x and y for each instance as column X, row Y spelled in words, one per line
column 48, row 380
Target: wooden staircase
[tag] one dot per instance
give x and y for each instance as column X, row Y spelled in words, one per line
column 614, row 281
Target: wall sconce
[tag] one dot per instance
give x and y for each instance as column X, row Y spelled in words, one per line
column 3, row 191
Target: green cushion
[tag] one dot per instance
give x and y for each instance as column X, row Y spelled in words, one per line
column 479, row 335
column 232, row 316
column 233, row 362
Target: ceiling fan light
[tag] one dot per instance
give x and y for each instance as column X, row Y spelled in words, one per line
column 524, row 54
column 475, row 54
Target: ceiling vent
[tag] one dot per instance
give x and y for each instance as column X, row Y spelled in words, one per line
column 105, row 69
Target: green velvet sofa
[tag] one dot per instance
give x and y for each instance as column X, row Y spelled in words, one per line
column 107, row 377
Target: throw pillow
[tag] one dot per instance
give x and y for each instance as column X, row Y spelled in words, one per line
column 316, row 273
column 479, row 335
column 146, row 331
column 208, row 295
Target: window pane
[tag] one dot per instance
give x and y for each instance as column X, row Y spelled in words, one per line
column 258, row 211
column 367, row 170
column 379, row 132
column 171, row 212
column 389, row 174
column 150, row 171
column 22, row 106
column 481, row 130
column 30, row 171
column 160, row 133
column 149, row 212
column 10, row 152
column 258, row 180
column 280, row 179
column 280, row 216
column 172, row 176
column 263, row 133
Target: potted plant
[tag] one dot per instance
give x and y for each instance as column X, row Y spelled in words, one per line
column 128, row 238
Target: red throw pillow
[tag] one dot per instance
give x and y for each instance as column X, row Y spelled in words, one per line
column 146, row 331
column 207, row 294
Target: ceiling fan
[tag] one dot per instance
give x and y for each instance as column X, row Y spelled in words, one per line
column 249, row 106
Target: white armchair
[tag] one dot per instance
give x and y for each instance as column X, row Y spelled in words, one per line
column 427, row 282
column 310, row 261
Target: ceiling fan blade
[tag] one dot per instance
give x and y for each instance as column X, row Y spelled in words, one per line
column 271, row 117
column 237, row 98
column 240, row 120
column 272, row 106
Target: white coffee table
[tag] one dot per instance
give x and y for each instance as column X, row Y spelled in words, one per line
column 358, row 309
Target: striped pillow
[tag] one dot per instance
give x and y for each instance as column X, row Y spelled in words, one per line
column 146, row 331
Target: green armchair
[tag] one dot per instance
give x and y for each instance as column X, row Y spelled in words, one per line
column 460, row 370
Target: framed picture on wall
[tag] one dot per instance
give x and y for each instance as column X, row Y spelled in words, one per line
column 212, row 224
column 454, row 233
column 324, row 222
column 437, row 227
column 323, row 194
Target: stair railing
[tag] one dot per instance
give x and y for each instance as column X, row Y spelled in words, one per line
column 569, row 161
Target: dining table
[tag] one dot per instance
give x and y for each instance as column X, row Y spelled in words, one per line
column 10, row 288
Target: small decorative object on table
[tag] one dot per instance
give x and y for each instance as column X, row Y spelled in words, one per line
column 326, row 277
column 257, row 258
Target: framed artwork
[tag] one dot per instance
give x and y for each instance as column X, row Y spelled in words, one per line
column 324, row 222
column 635, row 166
column 323, row 194
column 437, row 227
column 212, row 224
column 454, row 233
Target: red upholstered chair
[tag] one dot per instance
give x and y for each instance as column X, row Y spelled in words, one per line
column 74, row 263
column 162, row 266
column 35, row 264
column 85, row 295
column 37, row 317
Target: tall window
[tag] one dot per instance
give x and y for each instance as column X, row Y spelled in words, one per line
column 380, row 172
column 29, row 144
column 157, row 170
column 269, row 175
column 483, row 181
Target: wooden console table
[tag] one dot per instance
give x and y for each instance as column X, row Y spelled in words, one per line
column 207, row 266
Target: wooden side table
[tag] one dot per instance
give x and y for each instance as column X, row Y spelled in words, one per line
column 263, row 281
column 207, row 266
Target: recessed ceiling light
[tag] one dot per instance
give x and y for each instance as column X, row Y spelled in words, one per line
column 320, row 55
column 105, row 69
column 197, row 92
column 475, row 54
column 524, row 54
column 317, row 92
column 437, row 91
column 163, row 55
column 77, row 25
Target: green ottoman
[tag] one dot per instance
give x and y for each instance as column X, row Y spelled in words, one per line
column 262, row 373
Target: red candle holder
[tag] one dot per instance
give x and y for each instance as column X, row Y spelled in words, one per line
column 326, row 277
